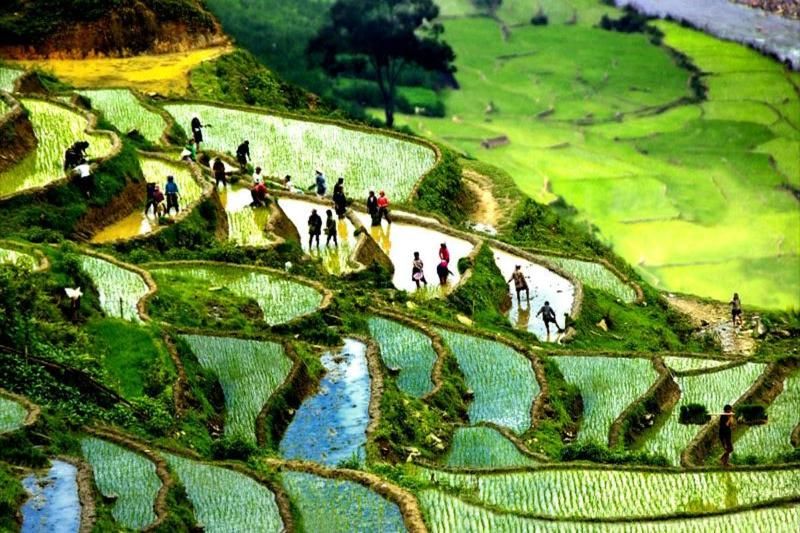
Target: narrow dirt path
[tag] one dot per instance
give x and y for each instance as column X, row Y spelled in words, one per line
column 715, row 319
column 487, row 209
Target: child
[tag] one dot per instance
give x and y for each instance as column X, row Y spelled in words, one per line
column 417, row 273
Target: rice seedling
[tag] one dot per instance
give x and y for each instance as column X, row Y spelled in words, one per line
column 773, row 439
column 284, row 146
column 340, row 505
column 484, row 447
column 17, row 258
column 602, row 493
column 126, row 476
column 54, row 504
column 7, row 78
column 12, row 415
column 595, row 275
column 449, row 514
column 330, row 427
column 56, row 128
column 119, row 289
column 248, row 371
column 122, row 109
column 544, row 285
column 226, row 501
column 684, row 364
column 608, row 385
column 280, row 300
column 712, row 390
column 246, row 225
column 501, row 378
column 407, row 350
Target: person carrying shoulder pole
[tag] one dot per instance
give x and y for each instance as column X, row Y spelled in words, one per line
column 726, row 424
column 520, row 284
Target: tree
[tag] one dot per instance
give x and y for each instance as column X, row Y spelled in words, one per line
column 378, row 39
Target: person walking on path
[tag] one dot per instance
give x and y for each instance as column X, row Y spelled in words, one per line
column 220, row 176
column 372, row 208
column 444, row 253
column 158, row 202
column 243, row 154
column 319, row 184
column 520, row 284
column 548, row 317
column 197, row 132
column 151, row 191
column 417, row 270
column 383, row 207
column 726, row 434
column 736, row 310
column 339, row 198
column 314, row 228
column 330, row 230
column 171, row 188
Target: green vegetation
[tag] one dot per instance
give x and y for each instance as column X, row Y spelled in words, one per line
column 501, row 379
column 12, row 494
column 484, row 447
column 126, row 476
column 339, row 505
column 17, row 258
column 118, row 289
column 57, row 128
column 225, row 500
column 7, row 78
column 284, row 146
column 12, row 415
column 126, row 113
column 407, row 351
column 485, row 292
column 248, row 371
column 608, row 385
column 684, row 364
column 595, row 275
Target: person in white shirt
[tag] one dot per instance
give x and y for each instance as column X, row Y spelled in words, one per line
column 85, row 178
column 257, row 177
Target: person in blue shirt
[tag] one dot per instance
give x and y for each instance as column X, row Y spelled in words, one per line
column 319, row 183
column 171, row 188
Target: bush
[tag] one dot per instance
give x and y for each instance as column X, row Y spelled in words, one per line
column 441, row 190
column 485, row 292
column 233, row 448
column 592, row 451
column 694, row 414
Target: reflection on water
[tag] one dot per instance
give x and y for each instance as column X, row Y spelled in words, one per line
column 334, row 258
column 544, row 286
column 400, row 241
column 246, row 225
column 330, row 427
column 735, row 22
column 137, row 223
column 54, row 505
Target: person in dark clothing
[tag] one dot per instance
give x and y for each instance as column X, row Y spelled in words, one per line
column 726, row 434
column 314, row 228
column 243, row 154
column 220, row 176
column 259, row 195
column 520, row 283
column 417, row 270
column 443, row 271
column 151, row 190
column 549, row 317
column 339, row 198
column 383, row 207
column 319, row 183
column 75, row 155
column 197, row 132
column 736, row 310
column 330, row 230
column 171, row 188
column 372, row 208
column 158, row 202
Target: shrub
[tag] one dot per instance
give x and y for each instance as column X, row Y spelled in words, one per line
column 694, row 414
column 233, row 448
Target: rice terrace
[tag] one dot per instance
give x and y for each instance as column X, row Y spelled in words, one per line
column 400, row 265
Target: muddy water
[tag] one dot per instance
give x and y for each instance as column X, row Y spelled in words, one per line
column 400, row 241
column 334, row 258
column 54, row 505
column 735, row 22
column 246, row 225
column 330, row 427
column 544, row 286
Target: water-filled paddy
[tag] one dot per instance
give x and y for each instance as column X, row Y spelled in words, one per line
column 246, row 224
column 53, row 504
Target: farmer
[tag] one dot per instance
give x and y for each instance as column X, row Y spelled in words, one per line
column 736, row 310
column 259, row 195
column 243, row 154
column 518, row 277
column 372, row 208
column 220, row 176
column 85, row 178
column 319, row 183
column 726, row 434
column 75, row 155
column 417, row 273
column 171, row 188
column 197, row 132
column 444, row 253
column 158, row 202
column 383, row 207
column 330, row 229
column 314, row 228
column 443, row 272
column 548, row 317
column 257, row 177
column 189, row 152
column 289, row 186
column 339, row 198
column 151, row 190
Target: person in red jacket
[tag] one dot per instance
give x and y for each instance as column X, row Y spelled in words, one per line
column 444, row 254
column 383, row 207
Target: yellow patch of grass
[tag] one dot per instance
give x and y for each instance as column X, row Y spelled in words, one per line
column 164, row 73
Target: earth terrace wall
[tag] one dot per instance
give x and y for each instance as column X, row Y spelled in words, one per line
column 208, row 191
column 116, row 145
column 765, row 389
column 21, row 139
column 330, row 122
column 43, row 263
column 179, row 400
column 375, row 367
